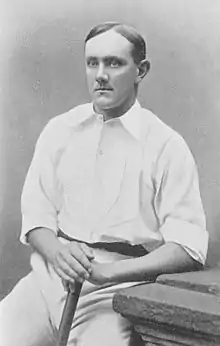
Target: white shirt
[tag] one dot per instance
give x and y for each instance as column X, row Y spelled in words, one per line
column 130, row 179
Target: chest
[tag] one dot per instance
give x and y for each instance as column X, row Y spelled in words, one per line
column 102, row 170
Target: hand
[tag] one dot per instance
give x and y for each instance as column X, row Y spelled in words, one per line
column 72, row 262
column 101, row 273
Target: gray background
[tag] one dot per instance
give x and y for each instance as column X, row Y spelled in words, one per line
column 42, row 75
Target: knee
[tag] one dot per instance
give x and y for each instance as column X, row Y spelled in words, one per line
column 23, row 317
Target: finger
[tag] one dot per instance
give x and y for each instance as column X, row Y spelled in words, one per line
column 69, row 286
column 87, row 251
column 63, row 275
column 65, row 285
column 80, row 257
column 72, row 287
column 79, row 269
column 72, row 268
column 67, row 265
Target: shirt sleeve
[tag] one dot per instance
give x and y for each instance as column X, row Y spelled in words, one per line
column 178, row 203
column 40, row 195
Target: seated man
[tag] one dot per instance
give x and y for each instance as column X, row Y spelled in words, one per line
column 111, row 199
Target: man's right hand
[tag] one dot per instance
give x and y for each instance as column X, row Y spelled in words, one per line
column 72, row 262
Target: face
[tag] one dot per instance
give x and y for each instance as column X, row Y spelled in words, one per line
column 111, row 71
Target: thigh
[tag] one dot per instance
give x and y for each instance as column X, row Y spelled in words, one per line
column 96, row 323
column 24, row 319
column 105, row 329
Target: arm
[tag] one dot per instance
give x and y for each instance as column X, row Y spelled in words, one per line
column 41, row 198
column 70, row 261
column 168, row 258
column 182, row 222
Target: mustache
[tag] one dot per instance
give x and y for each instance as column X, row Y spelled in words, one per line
column 102, row 87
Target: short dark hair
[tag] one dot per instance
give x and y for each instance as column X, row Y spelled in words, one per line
column 131, row 34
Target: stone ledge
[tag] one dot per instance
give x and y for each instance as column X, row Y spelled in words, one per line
column 180, row 309
column 206, row 281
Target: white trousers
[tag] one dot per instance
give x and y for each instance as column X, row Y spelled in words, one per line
column 30, row 314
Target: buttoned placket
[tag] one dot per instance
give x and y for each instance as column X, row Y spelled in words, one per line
column 100, row 119
column 94, row 236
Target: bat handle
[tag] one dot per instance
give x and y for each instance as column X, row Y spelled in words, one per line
column 68, row 314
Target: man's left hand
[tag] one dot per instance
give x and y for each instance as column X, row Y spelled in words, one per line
column 101, row 273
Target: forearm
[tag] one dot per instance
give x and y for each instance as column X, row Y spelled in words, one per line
column 45, row 242
column 169, row 258
column 71, row 261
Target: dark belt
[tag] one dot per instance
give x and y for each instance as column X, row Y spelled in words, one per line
column 118, row 247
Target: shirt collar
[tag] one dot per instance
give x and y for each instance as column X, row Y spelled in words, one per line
column 131, row 120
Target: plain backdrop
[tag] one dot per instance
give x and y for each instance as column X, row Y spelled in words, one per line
column 42, row 75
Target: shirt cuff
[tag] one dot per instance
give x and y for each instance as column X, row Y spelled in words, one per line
column 190, row 236
column 31, row 222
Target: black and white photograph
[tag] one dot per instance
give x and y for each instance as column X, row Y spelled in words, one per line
column 109, row 173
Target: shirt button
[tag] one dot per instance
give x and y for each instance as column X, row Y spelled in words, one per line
column 100, row 116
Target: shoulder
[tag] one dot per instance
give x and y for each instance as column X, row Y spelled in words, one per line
column 154, row 129
column 160, row 140
column 153, row 126
column 72, row 118
column 58, row 130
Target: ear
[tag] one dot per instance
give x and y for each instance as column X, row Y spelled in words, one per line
column 142, row 69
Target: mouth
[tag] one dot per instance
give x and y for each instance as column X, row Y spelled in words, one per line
column 103, row 89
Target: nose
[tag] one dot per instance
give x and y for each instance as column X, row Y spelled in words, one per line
column 102, row 75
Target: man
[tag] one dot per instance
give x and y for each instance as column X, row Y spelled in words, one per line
column 111, row 199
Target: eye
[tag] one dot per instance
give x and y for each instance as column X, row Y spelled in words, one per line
column 114, row 63
column 92, row 63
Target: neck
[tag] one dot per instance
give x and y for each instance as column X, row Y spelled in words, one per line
column 116, row 111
